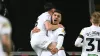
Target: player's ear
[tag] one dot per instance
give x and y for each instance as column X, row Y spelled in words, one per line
column 90, row 20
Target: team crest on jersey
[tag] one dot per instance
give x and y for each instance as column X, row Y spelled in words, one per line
column 63, row 30
column 80, row 33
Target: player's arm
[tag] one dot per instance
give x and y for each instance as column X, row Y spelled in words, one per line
column 60, row 41
column 35, row 30
column 58, row 45
column 55, row 47
column 78, row 42
column 60, row 38
column 6, row 38
column 6, row 44
column 49, row 26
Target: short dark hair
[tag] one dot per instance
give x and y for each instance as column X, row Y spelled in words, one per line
column 58, row 11
column 48, row 6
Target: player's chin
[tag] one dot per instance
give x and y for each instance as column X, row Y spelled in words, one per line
column 55, row 23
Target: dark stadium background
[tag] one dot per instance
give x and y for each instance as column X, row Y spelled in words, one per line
column 23, row 14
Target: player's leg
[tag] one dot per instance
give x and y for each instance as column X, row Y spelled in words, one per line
column 46, row 53
column 44, row 42
column 38, row 43
column 34, row 44
column 40, row 40
column 37, row 50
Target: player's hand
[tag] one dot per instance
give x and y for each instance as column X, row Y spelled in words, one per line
column 60, row 25
column 52, row 45
column 35, row 30
column 54, row 50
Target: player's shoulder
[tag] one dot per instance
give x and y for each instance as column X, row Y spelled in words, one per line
column 6, row 23
column 85, row 28
column 44, row 14
column 3, row 19
column 60, row 29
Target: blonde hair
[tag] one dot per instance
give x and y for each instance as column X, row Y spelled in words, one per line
column 95, row 18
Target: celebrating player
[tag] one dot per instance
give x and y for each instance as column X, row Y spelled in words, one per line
column 5, row 35
column 57, row 37
column 40, row 40
column 89, row 38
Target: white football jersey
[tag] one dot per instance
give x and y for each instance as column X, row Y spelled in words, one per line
column 91, row 40
column 54, row 34
column 41, row 20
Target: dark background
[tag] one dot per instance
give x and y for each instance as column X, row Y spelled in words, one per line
column 23, row 14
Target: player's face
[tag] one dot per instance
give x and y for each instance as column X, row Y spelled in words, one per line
column 56, row 18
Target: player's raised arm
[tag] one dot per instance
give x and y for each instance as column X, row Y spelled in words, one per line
column 49, row 26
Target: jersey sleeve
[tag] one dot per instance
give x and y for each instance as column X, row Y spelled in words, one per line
column 61, row 34
column 6, row 28
column 78, row 42
column 82, row 31
column 47, row 18
column 80, row 38
column 81, row 35
column 61, row 31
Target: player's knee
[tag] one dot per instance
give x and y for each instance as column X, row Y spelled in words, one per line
column 33, row 43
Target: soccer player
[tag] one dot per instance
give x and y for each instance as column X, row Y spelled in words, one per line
column 89, row 38
column 5, row 35
column 40, row 40
column 57, row 36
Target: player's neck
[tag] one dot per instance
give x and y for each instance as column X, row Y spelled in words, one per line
column 50, row 12
column 95, row 24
